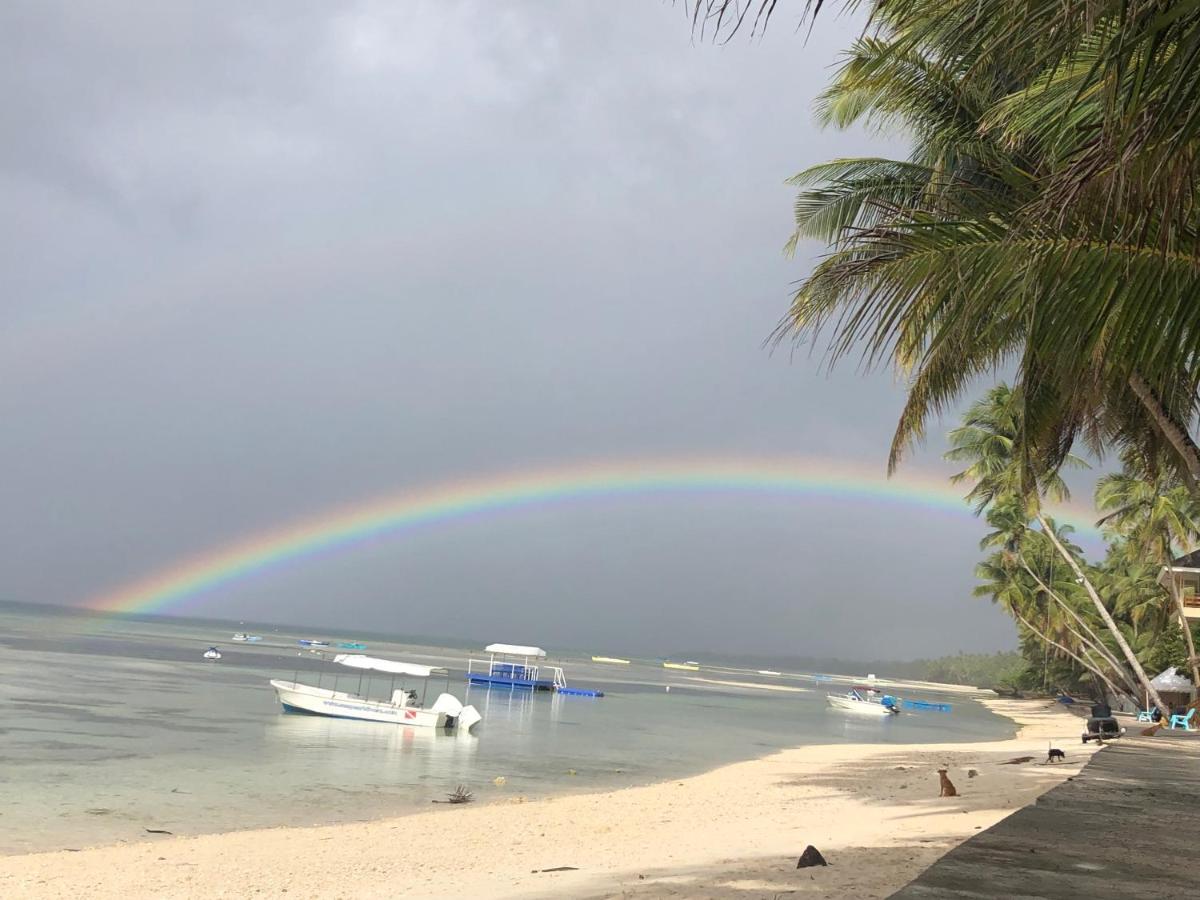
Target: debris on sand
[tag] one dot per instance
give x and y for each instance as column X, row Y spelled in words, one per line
column 810, row 857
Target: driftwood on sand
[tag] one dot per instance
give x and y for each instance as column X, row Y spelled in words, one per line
column 459, row 795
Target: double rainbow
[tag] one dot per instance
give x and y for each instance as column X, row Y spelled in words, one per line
column 179, row 584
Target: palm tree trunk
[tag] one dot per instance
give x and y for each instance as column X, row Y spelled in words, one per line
column 1184, row 623
column 1104, row 614
column 1093, row 641
column 1090, row 667
column 1176, row 435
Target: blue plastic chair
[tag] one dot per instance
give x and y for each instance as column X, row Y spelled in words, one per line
column 1184, row 722
column 1146, row 715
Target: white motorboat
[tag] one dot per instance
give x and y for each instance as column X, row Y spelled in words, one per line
column 402, row 708
column 252, row 638
column 212, row 653
column 863, row 703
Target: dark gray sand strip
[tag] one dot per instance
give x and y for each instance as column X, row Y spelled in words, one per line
column 1126, row 826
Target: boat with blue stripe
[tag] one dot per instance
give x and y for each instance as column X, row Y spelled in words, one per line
column 518, row 668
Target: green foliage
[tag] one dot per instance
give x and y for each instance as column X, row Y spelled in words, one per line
column 1038, row 224
column 1004, row 670
column 1170, row 649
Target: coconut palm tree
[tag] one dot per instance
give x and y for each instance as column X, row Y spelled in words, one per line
column 985, row 445
column 1153, row 515
column 1027, row 552
column 949, row 264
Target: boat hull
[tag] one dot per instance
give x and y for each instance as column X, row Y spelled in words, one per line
column 860, row 707
column 340, row 705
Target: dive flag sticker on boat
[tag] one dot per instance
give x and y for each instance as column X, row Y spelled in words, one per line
column 410, row 714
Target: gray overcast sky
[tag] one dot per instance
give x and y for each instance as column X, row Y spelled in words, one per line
column 260, row 260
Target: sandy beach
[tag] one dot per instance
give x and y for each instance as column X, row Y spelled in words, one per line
column 735, row 832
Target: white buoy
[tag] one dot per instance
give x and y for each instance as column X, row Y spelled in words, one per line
column 668, row 689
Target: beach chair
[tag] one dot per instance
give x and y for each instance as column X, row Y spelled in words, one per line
column 1184, row 722
column 1146, row 715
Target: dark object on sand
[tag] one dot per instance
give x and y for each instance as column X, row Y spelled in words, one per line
column 1102, row 728
column 158, row 831
column 1055, row 755
column 971, row 773
column 947, row 786
column 1017, row 760
column 460, row 795
column 810, row 857
column 560, row 869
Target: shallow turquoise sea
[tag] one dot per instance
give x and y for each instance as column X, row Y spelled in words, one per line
column 115, row 725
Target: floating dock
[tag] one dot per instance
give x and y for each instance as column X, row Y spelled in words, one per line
column 516, row 667
column 926, row 706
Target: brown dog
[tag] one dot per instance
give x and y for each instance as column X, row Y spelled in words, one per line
column 948, row 789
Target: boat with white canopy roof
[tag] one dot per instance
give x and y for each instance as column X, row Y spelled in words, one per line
column 516, row 667
column 404, row 707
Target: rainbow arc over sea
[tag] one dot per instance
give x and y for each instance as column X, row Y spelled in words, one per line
column 185, row 584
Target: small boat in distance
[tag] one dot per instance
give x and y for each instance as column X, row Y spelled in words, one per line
column 403, row 708
column 861, row 701
column 352, row 645
column 212, row 653
column 686, row 666
column 304, row 642
column 252, row 638
column 768, row 672
column 612, row 660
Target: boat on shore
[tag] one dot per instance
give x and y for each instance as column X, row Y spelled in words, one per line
column 242, row 637
column 862, row 702
column 212, row 653
column 404, row 706
column 768, row 672
column 611, row 660
column 685, row 666
column 305, row 642
column 352, row 645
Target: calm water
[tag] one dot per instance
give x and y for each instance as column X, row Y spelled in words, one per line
column 114, row 726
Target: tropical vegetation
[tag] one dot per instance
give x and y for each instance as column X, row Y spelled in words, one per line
column 1045, row 225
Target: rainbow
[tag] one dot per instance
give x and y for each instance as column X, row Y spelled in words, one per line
column 177, row 585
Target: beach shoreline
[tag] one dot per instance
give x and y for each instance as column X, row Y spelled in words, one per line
column 735, row 831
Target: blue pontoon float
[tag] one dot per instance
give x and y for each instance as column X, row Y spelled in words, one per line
column 516, row 667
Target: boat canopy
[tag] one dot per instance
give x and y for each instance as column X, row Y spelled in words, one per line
column 358, row 661
column 515, row 650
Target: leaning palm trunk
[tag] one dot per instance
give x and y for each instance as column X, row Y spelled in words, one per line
column 1092, row 641
column 1193, row 663
column 1089, row 666
column 1181, row 442
column 1136, row 666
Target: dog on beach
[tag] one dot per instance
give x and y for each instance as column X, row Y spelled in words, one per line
column 1055, row 755
column 948, row 789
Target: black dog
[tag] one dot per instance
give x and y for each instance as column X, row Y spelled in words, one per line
column 1055, row 755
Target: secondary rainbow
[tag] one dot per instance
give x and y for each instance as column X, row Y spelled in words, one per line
column 180, row 584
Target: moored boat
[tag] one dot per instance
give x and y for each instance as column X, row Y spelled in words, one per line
column 611, row 660
column 685, row 666
column 860, row 702
column 516, row 667
column 403, row 707
column 241, row 636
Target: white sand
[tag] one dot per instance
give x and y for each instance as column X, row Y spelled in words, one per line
column 873, row 810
